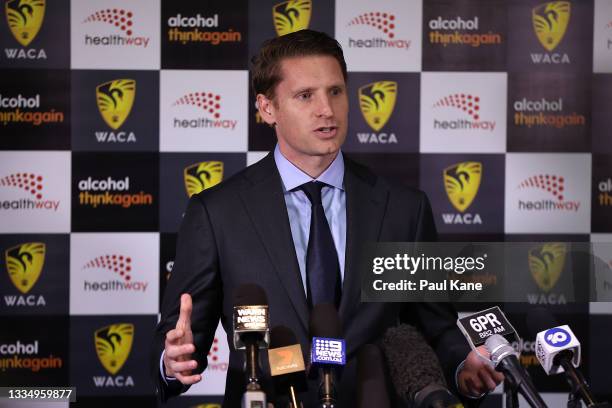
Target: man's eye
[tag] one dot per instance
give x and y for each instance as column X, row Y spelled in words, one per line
column 336, row 91
column 304, row 96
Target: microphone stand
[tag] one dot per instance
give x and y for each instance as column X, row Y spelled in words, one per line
column 511, row 394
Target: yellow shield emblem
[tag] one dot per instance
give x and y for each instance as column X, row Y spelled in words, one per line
column 203, row 175
column 461, row 182
column 377, row 101
column 115, row 100
column 25, row 18
column 546, row 263
column 290, row 16
column 113, row 345
column 24, row 264
column 550, row 21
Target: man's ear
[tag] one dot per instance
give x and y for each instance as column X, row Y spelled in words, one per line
column 266, row 109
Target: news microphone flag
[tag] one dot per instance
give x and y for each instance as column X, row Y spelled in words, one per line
column 328, row 351
column 551, row 342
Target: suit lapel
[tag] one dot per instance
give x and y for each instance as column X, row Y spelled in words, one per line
column 265, row 204
column 365, row 208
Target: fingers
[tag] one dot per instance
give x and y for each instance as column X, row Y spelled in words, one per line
column 183, row 367
column 184, row 320
column 496, row 375
column 173, row 336
column 182, row 352
column 188, row 379
column 487, row 380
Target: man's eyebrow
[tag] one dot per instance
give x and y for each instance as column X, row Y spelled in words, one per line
column 302, row 90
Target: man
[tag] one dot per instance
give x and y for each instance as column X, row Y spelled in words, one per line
column 254, row 228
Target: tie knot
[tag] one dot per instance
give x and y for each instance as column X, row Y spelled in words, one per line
column 312, row 190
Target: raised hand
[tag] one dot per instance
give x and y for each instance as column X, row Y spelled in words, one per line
column 179, row 347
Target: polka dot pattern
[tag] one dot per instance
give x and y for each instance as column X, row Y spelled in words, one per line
column 468, row 103
column 207, row 101
column 384, row 22
column 119, row 264
column 214, row 350
column 30, row 182
column 120, row 18
column 547, row 182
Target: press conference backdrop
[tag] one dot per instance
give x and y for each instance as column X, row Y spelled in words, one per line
column 115, row 112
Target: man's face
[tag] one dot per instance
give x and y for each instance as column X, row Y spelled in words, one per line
column 310, row 108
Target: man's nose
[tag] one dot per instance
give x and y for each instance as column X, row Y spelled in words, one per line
column 324, row 106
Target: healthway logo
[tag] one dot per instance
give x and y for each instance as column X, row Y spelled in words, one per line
column 121, row 267
column 552, row 184
column 384, row 23
column 214, row 362
column 203, row 175
column 25, row 17
column 32, row 184
column 550, row 22
column 123, row 21
column 291, row 16
column 207, row 103
column 470, row 105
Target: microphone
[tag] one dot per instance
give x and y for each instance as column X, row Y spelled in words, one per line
column 505, row 360
column 287, row 364
column 371, row 386
column 328, row 349
column 558, row 351
column 251, row 333
column 415, row 369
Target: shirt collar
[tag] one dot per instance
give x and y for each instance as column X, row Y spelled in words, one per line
column 293, row 177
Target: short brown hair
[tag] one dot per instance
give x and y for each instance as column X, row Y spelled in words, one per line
column 265, row 73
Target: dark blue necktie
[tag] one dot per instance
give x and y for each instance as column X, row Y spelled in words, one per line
column 322, row 268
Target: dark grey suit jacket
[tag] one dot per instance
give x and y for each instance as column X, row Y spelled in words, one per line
column 238, row 232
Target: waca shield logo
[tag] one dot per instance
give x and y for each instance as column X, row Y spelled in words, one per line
column 25, row 18
column 24, row 264
column 113, row 345
column 546, row 263
column 461, row 182
column 291, row 16
column 203, row 175
column 550, row 22
column 377, row 101
column 115, row 100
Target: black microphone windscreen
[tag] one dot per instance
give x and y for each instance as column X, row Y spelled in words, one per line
column 539, row 319
column 325, row 322
column 282, row 336
column 371, row 384
column 250, row 294
column 412, row 363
